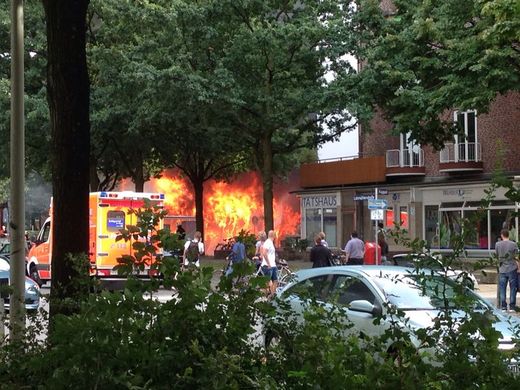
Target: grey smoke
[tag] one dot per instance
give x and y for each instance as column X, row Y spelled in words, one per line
column 37, row 200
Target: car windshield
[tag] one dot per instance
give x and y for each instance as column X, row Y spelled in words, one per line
column 426, row 292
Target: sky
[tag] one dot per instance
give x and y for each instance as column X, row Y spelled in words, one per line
column 347, row 146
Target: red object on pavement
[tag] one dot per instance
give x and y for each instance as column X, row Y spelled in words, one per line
column 370, row 253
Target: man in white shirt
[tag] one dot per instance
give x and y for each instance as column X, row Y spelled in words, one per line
column 268, row 252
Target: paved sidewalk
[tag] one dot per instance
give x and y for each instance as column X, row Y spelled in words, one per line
column 489, row 292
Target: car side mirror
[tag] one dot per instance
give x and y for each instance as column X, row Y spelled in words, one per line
column 364, row 306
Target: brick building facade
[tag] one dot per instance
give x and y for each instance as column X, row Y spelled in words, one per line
column 429, row 192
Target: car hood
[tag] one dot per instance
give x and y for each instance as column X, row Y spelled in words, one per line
column 508, row 326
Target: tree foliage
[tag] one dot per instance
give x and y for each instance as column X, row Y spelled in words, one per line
column 426, row 57
column 222, row 337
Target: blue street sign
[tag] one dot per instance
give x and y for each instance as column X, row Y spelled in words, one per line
column 375, row 204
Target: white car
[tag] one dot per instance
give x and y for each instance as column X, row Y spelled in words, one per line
column 366, row 292
column 435, row 262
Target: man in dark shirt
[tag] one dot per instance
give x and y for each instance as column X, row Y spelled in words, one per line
column 320, row 254
column 507, row 252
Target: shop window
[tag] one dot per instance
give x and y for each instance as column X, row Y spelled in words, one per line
column 389, row 218
column 403, row 216
column 431, row 225
column 321, row 220
column 502, row 219
column 330, row 223
column 312, row 223
column 476, row 223
column 450, row 228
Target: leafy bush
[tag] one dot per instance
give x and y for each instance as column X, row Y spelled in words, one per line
column 207, row 337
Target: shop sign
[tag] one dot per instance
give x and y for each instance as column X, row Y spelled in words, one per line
column 456, row 192
column 319, row 201
column 365, row 196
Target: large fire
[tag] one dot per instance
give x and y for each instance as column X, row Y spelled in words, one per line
column 231, row 207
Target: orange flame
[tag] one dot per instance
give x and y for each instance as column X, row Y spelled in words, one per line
column 231, row 207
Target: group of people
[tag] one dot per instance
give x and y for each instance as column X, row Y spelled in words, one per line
column 265, row 254
column 265, row 257
column 321, row 255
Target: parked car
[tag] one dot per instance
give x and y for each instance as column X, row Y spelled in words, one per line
column 32, row 290
column 366, row 292
column 32, row 272
column 435, row 262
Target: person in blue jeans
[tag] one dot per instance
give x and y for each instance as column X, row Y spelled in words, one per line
column 507, row 252
column 237, row 255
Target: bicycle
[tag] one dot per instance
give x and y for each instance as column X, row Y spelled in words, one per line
column 285, row 275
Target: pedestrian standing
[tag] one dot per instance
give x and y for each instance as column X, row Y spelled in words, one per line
column 381, row 241
column 354, row 250
column 507, row 252
column 320, row 255
column 269, row 269
column 237, row 255
column 257, row 258
column 181, row 233
column 193, row 249
column 322, row 237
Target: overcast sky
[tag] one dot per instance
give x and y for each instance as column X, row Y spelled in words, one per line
column 347, row 146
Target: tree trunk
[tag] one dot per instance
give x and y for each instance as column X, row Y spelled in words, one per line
column 68, row 97
column 198, row 187
column 138, row 177
column 267, row 181
column 94, row 178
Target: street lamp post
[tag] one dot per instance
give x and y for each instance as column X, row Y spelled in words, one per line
column 17, row 199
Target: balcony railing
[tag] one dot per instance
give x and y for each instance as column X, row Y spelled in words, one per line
column 405, row 158
column 462, row 152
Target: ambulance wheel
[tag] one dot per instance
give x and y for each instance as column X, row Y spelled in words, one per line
column 34, row 275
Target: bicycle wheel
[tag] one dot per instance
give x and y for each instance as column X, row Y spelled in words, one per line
column 286, row 276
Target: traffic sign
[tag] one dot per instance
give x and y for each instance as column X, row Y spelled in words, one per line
column 376, row 215
column 375, row 204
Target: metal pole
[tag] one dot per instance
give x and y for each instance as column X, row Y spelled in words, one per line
column 375, row 237
column 17, row 200
column 2, row 318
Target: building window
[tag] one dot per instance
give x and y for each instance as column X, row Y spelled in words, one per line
column 411, row 154
column 450, row 228
column 330, row 222
column 321, row 220
column 389, row 218
column 403, row 217
column 312, row 223
column 477, row 236
column 483, row 226
column 467, row 148
column 431, row 226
